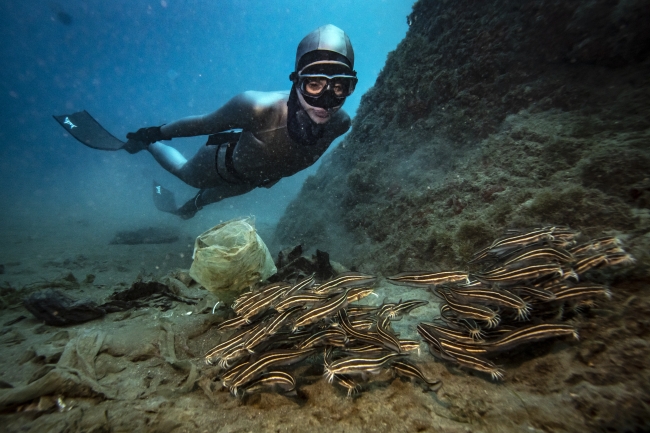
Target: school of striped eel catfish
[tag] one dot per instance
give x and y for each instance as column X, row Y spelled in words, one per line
column 526, row 281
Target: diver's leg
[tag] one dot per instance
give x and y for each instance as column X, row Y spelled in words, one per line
column 214, row 195
column 211, row 195
column 199, row 171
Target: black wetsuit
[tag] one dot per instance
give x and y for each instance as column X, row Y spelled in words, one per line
column 265, row 150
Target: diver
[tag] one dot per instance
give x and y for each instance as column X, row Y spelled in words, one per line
column 280, row 133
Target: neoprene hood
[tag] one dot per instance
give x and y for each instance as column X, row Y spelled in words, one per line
column 325, row 43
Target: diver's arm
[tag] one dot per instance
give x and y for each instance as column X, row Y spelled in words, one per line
column 238, row 113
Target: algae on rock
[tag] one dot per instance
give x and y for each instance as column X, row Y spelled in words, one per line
column 491, row 115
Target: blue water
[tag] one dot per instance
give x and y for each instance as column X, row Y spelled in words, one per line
column 133, row 64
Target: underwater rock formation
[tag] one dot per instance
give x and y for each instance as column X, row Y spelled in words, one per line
column 487, row 115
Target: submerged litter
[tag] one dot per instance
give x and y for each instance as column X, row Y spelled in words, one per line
column 230, row 257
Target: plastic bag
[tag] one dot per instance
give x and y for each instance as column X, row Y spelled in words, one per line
column 231, row 257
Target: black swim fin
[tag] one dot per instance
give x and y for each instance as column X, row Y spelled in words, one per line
column 87, row 130
column 164, row 199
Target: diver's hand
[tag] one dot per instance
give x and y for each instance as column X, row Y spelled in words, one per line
column 147, row 135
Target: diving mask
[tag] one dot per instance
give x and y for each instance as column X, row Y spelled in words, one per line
column 325, row 91
column 325, row 83
column 315, row 85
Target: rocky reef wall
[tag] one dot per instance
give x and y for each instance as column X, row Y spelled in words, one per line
column 490, row 114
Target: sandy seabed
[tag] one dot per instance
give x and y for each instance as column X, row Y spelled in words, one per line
column 142, row 370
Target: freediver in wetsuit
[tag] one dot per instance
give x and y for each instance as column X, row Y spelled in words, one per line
column 282, row 133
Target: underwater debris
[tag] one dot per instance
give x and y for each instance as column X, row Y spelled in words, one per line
column 285, row 323
column 291, row 264
column 531, row 276
column 145, row 294
column 58, row 309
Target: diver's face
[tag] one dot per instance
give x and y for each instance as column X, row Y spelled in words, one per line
column 317, row 114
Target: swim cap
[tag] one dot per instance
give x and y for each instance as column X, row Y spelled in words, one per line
column 326, row 43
